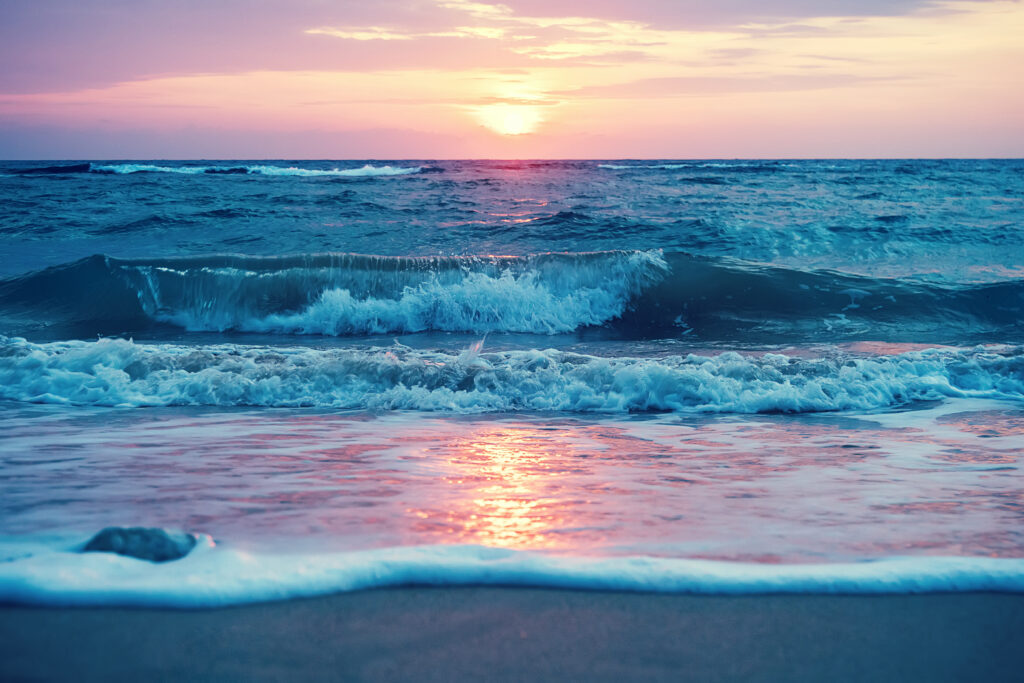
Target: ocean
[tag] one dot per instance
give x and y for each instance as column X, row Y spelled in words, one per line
column 728, row 376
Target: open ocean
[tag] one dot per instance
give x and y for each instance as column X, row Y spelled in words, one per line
column 694, row 376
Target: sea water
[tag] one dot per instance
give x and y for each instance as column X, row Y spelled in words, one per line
column 704, row 376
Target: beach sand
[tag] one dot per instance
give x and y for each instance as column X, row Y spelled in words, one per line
column 428, row 634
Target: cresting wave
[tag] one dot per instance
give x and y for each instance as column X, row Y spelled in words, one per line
column 347, row 294
column 628, row 294
column 117, row 372
column 213, row 576
column 367, row 170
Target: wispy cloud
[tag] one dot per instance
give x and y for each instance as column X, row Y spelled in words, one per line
column 362, row 33
column 698, row 86
column 547, row 38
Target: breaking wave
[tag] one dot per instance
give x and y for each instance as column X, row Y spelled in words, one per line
column 628, row 294
column 347, row 294
column 118, row 372
column 367, row 170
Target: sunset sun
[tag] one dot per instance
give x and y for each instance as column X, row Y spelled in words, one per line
column 510, row 119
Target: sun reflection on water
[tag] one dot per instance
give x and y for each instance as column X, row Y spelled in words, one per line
column 511, row 493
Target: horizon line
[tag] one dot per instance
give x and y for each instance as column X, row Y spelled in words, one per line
column 512, row 159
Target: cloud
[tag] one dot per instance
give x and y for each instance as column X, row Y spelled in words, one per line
column 364, row 33
column 536, row 38
column 62, row 45
column 720, row 14
column 695, row 86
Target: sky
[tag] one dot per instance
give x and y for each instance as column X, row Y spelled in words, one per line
column 442, row 79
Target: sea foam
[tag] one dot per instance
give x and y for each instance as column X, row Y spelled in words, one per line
column 349, row 294
column 721, row 165
column 118, row 372
column 214, row 576
column 367, row 170
column 627, row 167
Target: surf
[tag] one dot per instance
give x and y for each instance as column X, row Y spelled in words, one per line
column 119, row 372
column 365, row 171
column 642, row 295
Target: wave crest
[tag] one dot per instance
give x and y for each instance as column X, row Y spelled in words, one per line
column 367, row 170
column 631, row 294
column 116, row 372
column 343, row 294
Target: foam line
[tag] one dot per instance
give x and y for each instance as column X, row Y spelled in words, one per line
column 118, row 372
column 213, row 577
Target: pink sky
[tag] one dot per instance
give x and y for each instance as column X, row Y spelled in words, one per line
column 520, row 79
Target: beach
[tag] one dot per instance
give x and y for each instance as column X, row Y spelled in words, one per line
column 561, row 420
column 439, row 634
column 512, row 340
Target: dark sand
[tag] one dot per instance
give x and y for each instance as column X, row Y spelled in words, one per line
column 428, row 634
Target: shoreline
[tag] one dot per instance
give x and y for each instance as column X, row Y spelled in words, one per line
column 518, row 633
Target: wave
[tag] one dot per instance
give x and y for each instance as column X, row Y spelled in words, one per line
column 344, row 294
column 365, row 171
column 213, row 576
column 118, row 372
column 628, row 167
column 624, row 294
column 52, row 170
column 750, row 166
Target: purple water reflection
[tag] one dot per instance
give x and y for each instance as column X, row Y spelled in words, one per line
column 765, row 488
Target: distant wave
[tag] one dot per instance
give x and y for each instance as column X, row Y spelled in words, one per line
column 627, row 167
column 754, row 166
column 215, row 576
column 367, row 170
column 52, row 170
column 117, row 372
column 631, row 294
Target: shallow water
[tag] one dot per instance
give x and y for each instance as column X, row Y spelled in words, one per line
column 941, row 480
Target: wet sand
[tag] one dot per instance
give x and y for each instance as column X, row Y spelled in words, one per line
column 442, row 634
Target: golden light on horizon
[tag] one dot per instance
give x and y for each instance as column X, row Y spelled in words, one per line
column 510, row 119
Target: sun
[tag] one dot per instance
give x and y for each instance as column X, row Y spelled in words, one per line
column 510, row 119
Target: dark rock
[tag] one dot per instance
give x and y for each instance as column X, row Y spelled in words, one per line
column 155, row 545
